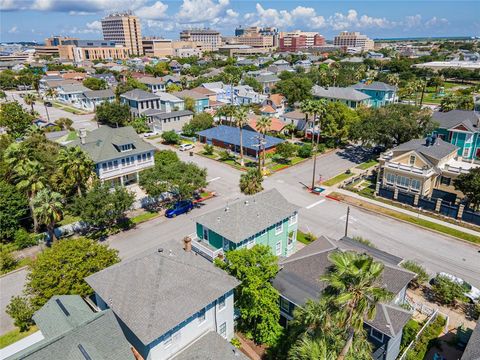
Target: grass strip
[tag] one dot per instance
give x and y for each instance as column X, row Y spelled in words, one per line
column 339, row 178
column 15, row 335
column 367, row 164
column 143, row 217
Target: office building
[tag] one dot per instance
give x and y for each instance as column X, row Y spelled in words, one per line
column 81, row 50
column 51, row 46
column 157, row 47
column 300, row 40
column 353, row 40
column 209, row 39
column 123, row 28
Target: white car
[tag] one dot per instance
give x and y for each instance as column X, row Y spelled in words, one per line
column 471, row 292
column 185, row 147
column 148, row 134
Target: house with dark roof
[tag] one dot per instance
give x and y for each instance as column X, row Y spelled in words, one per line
column 119, row 154
column 167, row 300
column 71, row 93
column 420, row 166
column 161, row 121
column 347, row 95
column 92, row 98
column 228, row 137
column 298, row 281
column 268, row 82
column 140, row 101
column 295, row 117
column 460, row 128
column 71, row 330
column 156, row 84
column 381, row 94
column 266, row 218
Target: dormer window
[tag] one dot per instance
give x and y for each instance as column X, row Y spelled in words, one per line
column 126, row 147
column 412, row 160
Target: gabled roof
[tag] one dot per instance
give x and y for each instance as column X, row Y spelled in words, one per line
column 211, row 346
column 156, row 291
column 99, row 94
column 241, row 219
column 164, row 96
column 375, row 85
column 138, row 94
column 295, row 115
column 277, row 99
column 298, row 281
column 74, row 88
column 204, row 91
column 267, row 78
column 339, row 93
column 267, row 109
column 190, row 94
column 150, row 80
column 437, row 151
column 450, row 119
column 276, row 125
column 102, row 144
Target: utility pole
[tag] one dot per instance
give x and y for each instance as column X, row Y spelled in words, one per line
column 346, row 221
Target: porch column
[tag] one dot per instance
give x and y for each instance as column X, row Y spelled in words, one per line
column 137, row 175
column 438, row 205
column 121, row 180
column 461, row 207
column 377, row 188
column 395, row 194
column 415, row 199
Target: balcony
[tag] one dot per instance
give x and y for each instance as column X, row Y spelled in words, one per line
column 459, row 167
column 409, row 169
column 203, row 248
column 124, row 169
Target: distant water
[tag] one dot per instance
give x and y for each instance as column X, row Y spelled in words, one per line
column 425, row 38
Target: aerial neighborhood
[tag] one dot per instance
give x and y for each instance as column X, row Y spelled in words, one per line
column 219, row 180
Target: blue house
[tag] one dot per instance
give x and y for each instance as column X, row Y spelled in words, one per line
column 228, row 137
column 167, row 300
column 460, row 128
column 201, row 100
column 381, row 94
column 297, row 281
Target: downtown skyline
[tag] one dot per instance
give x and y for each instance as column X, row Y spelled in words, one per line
column 34, row 20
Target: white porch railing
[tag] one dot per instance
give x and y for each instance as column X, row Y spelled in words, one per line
column 456, row 169
column 203, row 248
column 410, row 169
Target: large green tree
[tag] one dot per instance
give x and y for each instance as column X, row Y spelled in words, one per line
column 255, row 298
column 295, row 89
column 15, row 118
column 113, row 114
column 469, row 185
column 48, row 207
column 95, row 83
column 338, row 120
column 13, row 208
column 62, row 268
column 251, row 182
column 241, row 119
column 76, row 167
column 199, row 122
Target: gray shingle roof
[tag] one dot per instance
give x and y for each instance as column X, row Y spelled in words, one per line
column 436, row 151
column 249, row 216
column 267, row 78
column 102, row 144
column 375, row 85
column 298, row 281
column 165, row 115
column 450, row 119
column 347, row 243
column 150, row 80
column 156, row 291
column 339, row 93
column 472, row 351
column 211, row 346
column 99, row 94
column 138, row 94
column 190, row 94
column 74, row 88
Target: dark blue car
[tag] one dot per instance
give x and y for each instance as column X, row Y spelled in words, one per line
column 179, row 208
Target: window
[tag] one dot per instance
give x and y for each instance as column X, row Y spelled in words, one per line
column 415, row 184
column 104, row 166
column 390, row 178
column 168, row 341
column 123, row 162
column 468, row 138
column 293, row 219
column 201, row 316
column 223, row 330
column 278, row 248
column 205, row 233
column 466, row 152
column 278, row 228
column 221, row 302
column 403, row 181
column 445, row 180
column 412, row 160
column 284, row 304
column 377, row 335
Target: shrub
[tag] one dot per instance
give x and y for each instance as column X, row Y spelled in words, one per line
column 425, row 340
column 409, row 332
column 7, row 261
column 21, row 311
column 235, row 342
column 208, row 149
column 321, row 148
column 305, row 151
column 24, row 239
column 225, row 155
column 364, row 241
column 422, row 275
column 170, row 137
column 446, row 290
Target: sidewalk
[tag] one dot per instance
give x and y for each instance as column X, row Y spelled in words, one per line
column 404, row 211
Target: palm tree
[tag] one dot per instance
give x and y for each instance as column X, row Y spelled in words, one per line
column 48, row 208
column 75, row 165
column 263, row 125
column 319, row 108
column 306, row 108
column 30, row 101
column 241, row 117
column 291, row 129
column 251, row 182
column 352, row 286
column 51, row 93
column 393, row 79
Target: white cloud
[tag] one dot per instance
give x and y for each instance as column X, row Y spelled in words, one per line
column 90, row 28
column 10, row 5
column 351, row 20
column 94, row 26
column 413, row 21
column 434, row 22
column 156, row 11
column 198, row 11
column 13, row 30
column 308, row 16
column 232, row 13
column 269, row 17
column 163, row 25
column 85, row 6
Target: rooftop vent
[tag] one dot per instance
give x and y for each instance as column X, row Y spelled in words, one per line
column 160, row 250
column 62, row 307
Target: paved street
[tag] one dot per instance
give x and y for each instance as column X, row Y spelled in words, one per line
column 79, row 121
column 10, row 285
column 318, row 214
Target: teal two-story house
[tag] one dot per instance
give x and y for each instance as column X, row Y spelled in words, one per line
column 266, row 218
column 460, row 128
column 201, row 100
column 381, row 94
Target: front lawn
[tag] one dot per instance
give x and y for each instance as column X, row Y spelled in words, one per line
column 143, row 217
column 367, row 164
column 68, row 219
column 15, row 335
column 305, row 238
column 337, row 179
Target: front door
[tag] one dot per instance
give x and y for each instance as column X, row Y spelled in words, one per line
column 226, row 245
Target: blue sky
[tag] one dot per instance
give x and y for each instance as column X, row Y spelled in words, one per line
column 28, row 20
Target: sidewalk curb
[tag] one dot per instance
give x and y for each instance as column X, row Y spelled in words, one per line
column 14, row 271
column 410, row 223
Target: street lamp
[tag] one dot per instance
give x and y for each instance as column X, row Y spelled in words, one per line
column 260, row 146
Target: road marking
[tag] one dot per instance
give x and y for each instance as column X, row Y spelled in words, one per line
column 351, row 218
column 314, row 204
column 214, row 179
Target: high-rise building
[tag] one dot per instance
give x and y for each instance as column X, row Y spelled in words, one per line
column 123, row 28
column 353, row 40
column 209, row 39
column 300, row 40
column 254, row 36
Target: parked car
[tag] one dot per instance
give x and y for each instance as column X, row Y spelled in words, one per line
column 185, row 147
column 179, row 208
column 148, row 134
column 471, row 292
column 48, row 103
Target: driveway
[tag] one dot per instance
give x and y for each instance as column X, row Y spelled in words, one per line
column 79, row 121
column 10, row 285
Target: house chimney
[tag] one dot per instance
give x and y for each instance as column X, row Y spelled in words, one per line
column 187, row 243
column 82, row 133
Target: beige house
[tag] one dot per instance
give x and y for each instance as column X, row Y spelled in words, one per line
column 421, row 165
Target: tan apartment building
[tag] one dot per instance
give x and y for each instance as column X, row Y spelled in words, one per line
column 51, row 46
column 157, row 47
column 353, row 39
column 81, row 50
column 421, row 165
column 208, row 39
column 124, row 28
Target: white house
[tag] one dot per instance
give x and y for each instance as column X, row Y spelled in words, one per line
column 91, row 99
